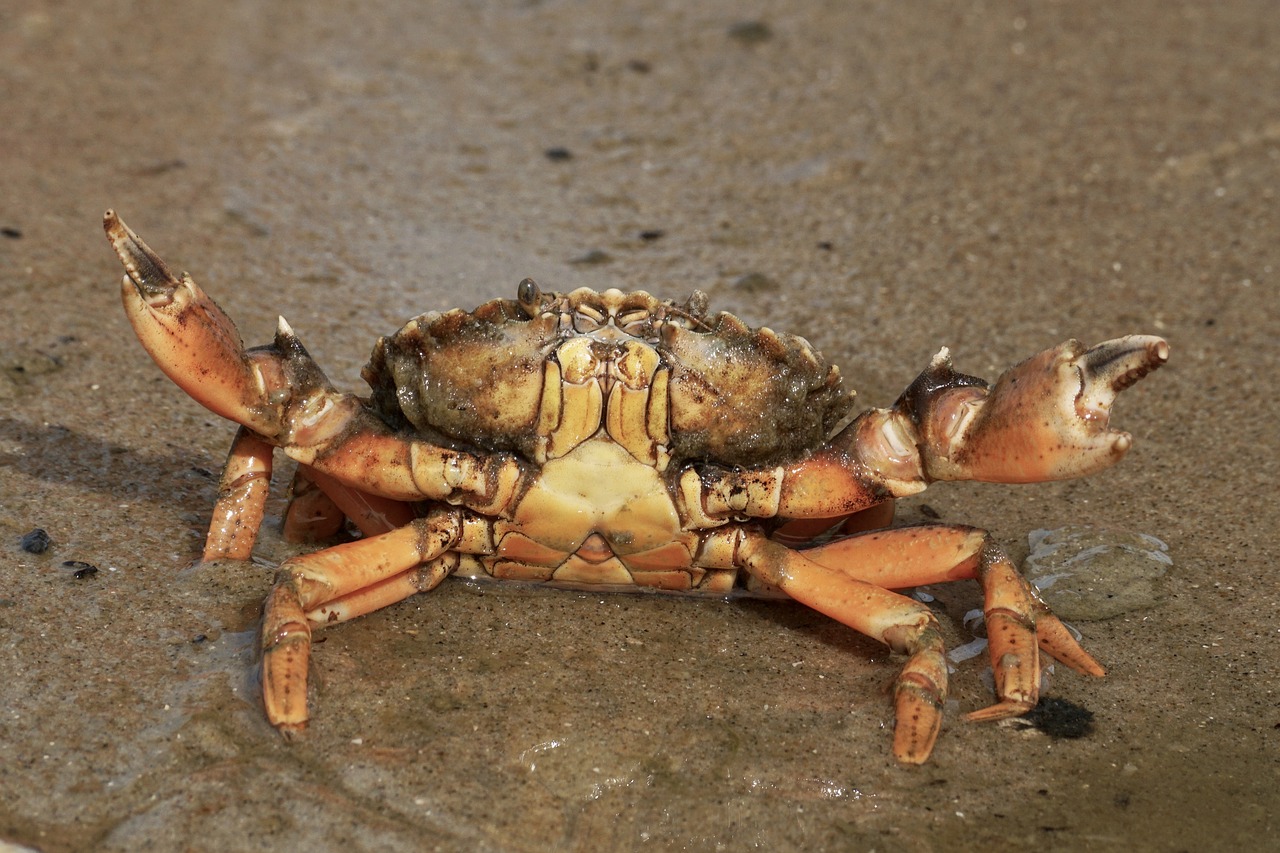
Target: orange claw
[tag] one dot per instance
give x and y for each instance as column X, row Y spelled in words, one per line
column 1044, row 419
column 191, row 339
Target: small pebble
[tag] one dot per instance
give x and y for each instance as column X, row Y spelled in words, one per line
column 36, row 542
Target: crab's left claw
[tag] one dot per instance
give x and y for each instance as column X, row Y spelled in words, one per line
column 192, row 340
column 1045, row 419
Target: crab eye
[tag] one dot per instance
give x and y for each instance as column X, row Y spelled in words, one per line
column 529, row 296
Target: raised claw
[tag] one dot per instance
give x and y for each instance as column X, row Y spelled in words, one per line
column 191, row 339
column 1044, row 419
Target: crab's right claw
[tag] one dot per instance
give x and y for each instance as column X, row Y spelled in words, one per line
column 1044, row 419
column 192, row 340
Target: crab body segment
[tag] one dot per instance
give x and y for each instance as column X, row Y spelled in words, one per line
column 615, row 440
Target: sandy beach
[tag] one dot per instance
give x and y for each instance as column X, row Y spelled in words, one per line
column 884, row 179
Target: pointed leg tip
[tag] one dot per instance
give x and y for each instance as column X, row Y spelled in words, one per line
column 1079, row 661
column 1001, row 711
column 292, row 732
column 911, row 758
column 917, row 719
column 913, row 746
column 1057, row 641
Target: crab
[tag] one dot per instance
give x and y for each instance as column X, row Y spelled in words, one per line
column 618, row 441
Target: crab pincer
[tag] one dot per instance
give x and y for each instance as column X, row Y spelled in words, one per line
column 1044, row 419
column 192, row 340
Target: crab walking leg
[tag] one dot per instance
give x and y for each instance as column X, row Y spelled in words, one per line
column 799, row 532
column 423, row 578
column 906, row 626
column 310, row 515
column 242, row 498
column 319, row 503
column 308, row 581
column 850, row 580
column 1017, row 621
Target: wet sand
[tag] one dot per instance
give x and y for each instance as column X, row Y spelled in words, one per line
column 883, row 179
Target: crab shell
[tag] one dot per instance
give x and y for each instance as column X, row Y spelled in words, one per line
column 667, row 383
column 616, row 440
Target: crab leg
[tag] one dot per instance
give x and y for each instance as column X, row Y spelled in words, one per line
column 384, row 593
column 318, row 504
column 905, row 625
column 366, row 574
column 310, row 515
column 850, row 580
column 242, row 498
column 936, row 553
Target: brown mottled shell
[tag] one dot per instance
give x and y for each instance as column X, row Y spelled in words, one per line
column 738, row 396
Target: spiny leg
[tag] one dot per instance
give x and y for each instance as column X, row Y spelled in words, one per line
column 242, row 498
column 309, row 581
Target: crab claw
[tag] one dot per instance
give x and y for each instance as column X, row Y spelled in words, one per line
column 1045, row 419
column 192, row 340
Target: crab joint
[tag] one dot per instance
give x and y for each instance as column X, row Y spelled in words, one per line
column 487, row 485
column 715, row 495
